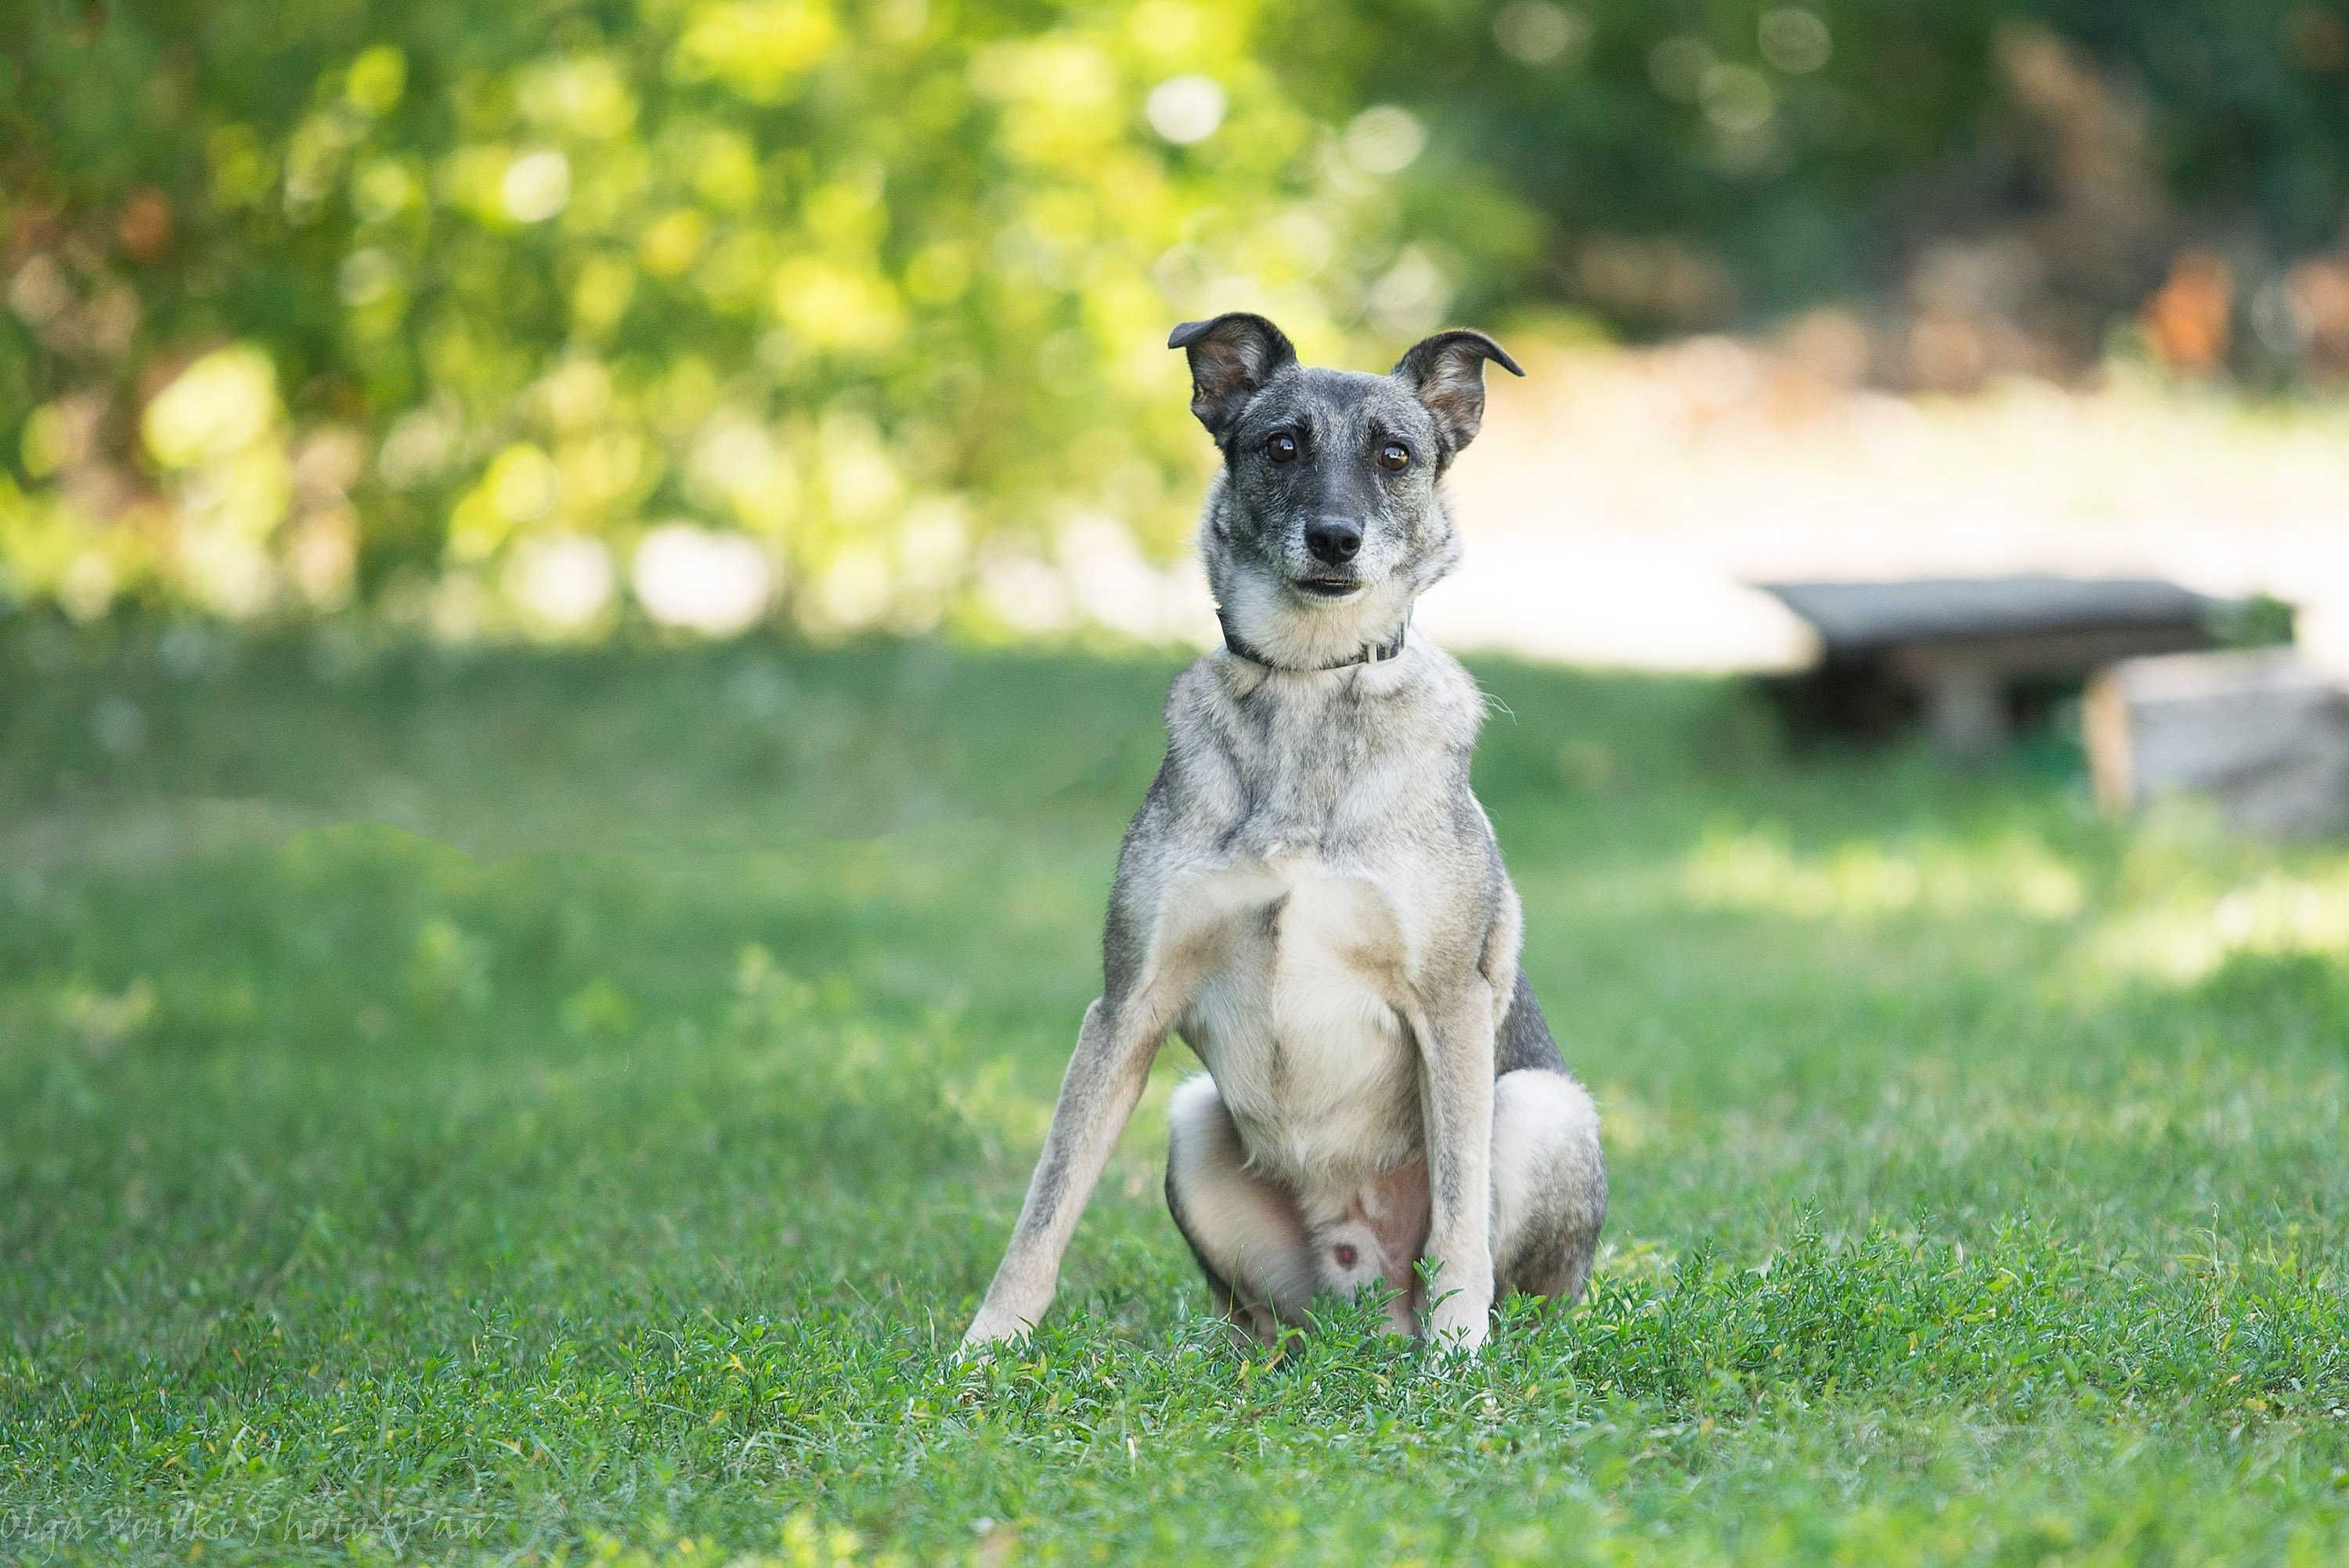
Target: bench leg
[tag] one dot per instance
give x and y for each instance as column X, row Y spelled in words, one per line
column 1965, row 710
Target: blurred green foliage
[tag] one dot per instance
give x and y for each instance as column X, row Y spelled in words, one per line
column 867, row 283
column 1792, row 148
column 817, row 308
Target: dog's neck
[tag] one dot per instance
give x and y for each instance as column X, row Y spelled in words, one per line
column 1368, row 654
column 1264, row 624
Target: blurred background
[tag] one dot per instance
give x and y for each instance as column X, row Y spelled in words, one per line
column 585, row 592
column 555, row 321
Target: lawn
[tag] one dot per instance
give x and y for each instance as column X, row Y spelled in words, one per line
column 461, row 1107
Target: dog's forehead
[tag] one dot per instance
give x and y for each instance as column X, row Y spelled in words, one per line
column 1345, row 394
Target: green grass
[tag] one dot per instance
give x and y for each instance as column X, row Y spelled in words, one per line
column 465, row 1108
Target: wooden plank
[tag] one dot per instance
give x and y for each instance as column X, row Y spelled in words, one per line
column 1863, row 617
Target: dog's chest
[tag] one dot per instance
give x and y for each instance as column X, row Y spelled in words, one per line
column 1315, row 1065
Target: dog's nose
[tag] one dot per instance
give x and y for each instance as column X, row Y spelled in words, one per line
column 1334, row 541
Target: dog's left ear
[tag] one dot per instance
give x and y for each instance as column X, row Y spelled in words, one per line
column 1446, row 374
column 1231, row 357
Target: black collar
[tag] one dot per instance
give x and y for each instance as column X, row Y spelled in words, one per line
column 1369, row 654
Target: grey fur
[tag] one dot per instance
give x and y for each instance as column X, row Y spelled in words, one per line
column 1525, row 1040
column 1312, row 897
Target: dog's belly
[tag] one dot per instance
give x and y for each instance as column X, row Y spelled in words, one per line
column 1318, row 1072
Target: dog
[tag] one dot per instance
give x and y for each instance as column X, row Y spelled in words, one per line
column 1312, row 897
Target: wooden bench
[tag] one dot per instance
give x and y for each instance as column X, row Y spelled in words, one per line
column 1965, row 652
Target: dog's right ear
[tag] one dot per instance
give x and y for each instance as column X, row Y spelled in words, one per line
column 1231, row 357
column 1446, row 374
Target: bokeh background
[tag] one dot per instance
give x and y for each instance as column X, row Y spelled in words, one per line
column 551, row 321
column 585, row 592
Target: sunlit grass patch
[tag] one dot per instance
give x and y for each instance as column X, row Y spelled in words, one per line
column 2195, row 929
column 1864, row 879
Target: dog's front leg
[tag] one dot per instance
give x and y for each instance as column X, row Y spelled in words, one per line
column 1455, row 1043
column 1098, row 1094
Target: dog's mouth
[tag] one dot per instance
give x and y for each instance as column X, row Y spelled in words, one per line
column 1329, row 587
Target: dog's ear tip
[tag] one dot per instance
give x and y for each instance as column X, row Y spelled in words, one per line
column 1186, row 333
column 1496, row 354
column 1479, row 344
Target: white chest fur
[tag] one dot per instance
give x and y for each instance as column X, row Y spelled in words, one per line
column 1317, row 1070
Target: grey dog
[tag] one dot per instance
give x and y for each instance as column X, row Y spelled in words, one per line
column 1312, row 897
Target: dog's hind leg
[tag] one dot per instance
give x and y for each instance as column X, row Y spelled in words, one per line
column 1549, row 1184
column 1245, row 1232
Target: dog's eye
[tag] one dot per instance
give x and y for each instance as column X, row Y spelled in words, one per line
column 1282, row 447
column 1394, row 455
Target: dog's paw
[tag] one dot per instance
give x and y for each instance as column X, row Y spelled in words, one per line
column 1458, row 1324
column 987, row 1331
column 1458, row 1345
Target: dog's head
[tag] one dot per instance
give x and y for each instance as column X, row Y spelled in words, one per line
column 1325, row 522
